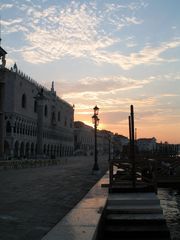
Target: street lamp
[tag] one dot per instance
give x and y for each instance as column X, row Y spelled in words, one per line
column 95, row 121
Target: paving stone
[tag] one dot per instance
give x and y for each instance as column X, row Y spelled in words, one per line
column 37, row 198
column 71, row 233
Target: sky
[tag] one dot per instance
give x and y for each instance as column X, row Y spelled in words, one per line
column 109, row 53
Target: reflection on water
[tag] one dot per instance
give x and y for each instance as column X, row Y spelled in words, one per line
column 170, row 202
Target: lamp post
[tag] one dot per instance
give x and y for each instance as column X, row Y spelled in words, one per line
column 95, row 121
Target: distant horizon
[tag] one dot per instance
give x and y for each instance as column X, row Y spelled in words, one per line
column 110, row 53
column 144, row 137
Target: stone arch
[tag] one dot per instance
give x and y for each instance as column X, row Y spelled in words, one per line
column 30, row 131
column 34, row 131
column 48, row 150
column 27, row 150
column 57, row 151
column 20, row 127
column 23, row 128
column 26, row 129
column 7, row 151
column 44, row 150
column 17, row 127
column 36, row 149
column 8, row 127
column 16, row 149
column 54, row 150
column 62, row 151
column 66, row 151
column 32, row 149
column 14, row 128
column 22, row 150
column 51, row 151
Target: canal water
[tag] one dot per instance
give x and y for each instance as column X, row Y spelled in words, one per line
column 170, row 202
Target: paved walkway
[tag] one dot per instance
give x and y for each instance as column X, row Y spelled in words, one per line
column 33, row 200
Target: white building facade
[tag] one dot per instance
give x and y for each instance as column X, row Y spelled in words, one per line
column 37, row 123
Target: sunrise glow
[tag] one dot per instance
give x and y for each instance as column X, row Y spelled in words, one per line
column 109, row 53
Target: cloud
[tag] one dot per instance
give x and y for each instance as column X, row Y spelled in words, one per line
column 170, row 95
column 5, row 6
column 104, row 91
column 102, row 85
column 148, row 56
column 11, row 22
column 72, row 31
column 77, row 30
column 120, row 16
column 109, row 94
column 131, row 44
column 127, row 21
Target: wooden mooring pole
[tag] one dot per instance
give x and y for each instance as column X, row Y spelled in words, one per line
column 132, row 151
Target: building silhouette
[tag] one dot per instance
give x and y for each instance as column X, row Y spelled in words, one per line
column 84, row 140
column 37, row 123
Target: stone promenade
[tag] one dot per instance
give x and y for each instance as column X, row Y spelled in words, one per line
column 33, row 200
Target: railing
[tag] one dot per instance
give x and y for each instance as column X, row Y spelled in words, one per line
column 146, row 172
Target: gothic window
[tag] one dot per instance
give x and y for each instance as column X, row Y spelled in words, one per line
column 15, row 128
column 65, row 122
column 23, row 130
column 53, row 119
column 35, row 106
column 45, row 111
column 20, row 128
column 59, row 116
column 23, row 101
column 8, row 127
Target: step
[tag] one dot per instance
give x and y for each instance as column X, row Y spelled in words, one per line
column 136, row 238
column 134, row 209
column 136, row 196
column 135, row 222
column 129, row 189
column 133, row 202
column 137, row 231
column 140, row 195
column 155, row 218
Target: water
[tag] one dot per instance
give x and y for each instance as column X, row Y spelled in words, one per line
column 170, row 202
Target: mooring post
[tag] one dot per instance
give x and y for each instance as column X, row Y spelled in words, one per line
column 132, row 146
